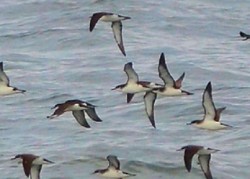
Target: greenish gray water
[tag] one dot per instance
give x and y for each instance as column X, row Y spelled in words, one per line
column 47, row 49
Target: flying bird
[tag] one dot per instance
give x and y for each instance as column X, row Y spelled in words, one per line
column 78, row 109
column 133, row 85
column 204, row 156
column 211, row 119
column 171, row 87
column 244, row 35
column 113, row 170
column 5, row 88
column 116, row 25
column 32, row 164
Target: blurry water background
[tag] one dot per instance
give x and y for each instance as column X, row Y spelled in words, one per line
column 48, row 50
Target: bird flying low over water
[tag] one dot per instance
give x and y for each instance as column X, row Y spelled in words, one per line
column 113, row 170
column 244, row 35
column 204, row 156
column 116, row 25
column 5, row 88
column 211, row 119
column 171, row 87
column 133, row 85
column 78, row 109
column 32, row 164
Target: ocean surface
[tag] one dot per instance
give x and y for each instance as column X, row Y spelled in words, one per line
column 47, row 49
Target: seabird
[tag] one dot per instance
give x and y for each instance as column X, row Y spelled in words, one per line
column 133, row 85
column 171, row 87
column 204, row 156
column 113, row 170
column 244, row 35
column 211, row 119
column 32, row 164
column 5, row 88
column 78, row 109
column 116, row 25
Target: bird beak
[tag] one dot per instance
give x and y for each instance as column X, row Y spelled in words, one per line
column 22, row 91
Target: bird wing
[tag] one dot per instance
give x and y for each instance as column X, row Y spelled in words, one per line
column 204, row 163
column 92, row 114
column 218, row 113
column 178, row 82
column 208, row 104
column 95, row 18
column 113, row 162
column 117, row 31
column 164, row 74
column 27, row 167
column 80, row 117
column 129, row 97
column 131, row 74
column 149, row 100
column 4, row 79
column 188, row 156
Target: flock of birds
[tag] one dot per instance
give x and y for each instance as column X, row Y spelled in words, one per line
column 32, row 164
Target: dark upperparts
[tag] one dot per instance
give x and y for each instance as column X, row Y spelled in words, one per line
column 190, row 147
column 73, row 101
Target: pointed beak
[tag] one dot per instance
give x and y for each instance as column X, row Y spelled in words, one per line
column 21, row 91
column 189, row 123
column 113, row 88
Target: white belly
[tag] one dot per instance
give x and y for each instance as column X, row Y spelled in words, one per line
column 170, row 92
column 210, row 125
column 75, row 107
column 110, row 18
column 134, row 88
column 114, row 174
column 5, row 90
